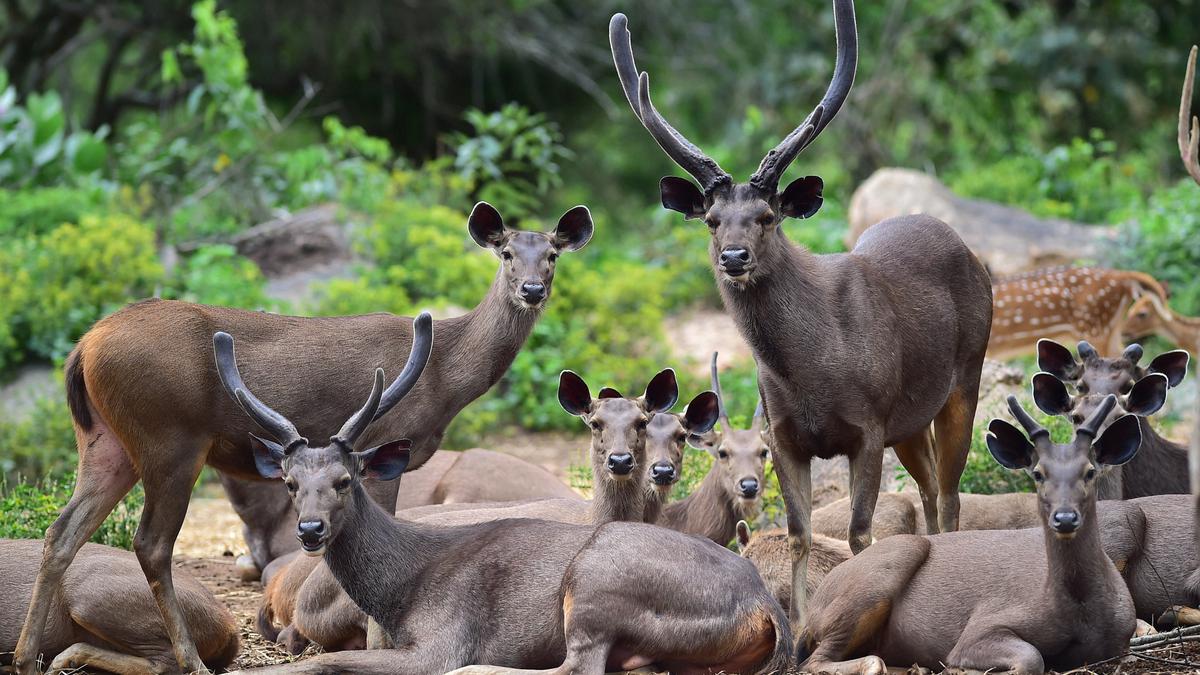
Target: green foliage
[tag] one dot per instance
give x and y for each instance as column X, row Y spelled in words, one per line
column 41, row 443
column 36, row 211
column 983, row 475
column 31, row 508
column 1162, row 240
column 36, row 146
column 217, row 275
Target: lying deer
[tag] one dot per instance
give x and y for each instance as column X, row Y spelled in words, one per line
column 850, row 359
column 897, row 513
column 1162, row 465
column 305, row 597
column 986, row 600
column 445, row 594
column 1064, row 303
column 476, row 350
column 105, row 617
column 1149, row 539
column 479, row 475
column 768, row 550
column 732, row 489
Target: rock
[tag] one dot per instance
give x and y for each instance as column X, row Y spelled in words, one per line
column 313, row 237
column 20, row 395
column 1008, row 240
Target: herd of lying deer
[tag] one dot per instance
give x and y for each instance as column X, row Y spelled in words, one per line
column 480, row 563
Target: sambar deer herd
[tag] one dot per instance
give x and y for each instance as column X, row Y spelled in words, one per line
column 481, row 563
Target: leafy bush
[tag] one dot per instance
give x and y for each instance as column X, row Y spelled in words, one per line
column 42, row 443
column 38, row 210
column 29, row 509
column 36, row 148
column 984, row 475
column 217, row 275
column 1162, row 240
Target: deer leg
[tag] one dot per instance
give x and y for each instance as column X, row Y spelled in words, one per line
column 105, row 475
column 998, row 650
column 916, row 454
column 168, row 484
column 795, row 481
column 1179, row 615
column 866, row 469
column 83, row 655
column 952, row 440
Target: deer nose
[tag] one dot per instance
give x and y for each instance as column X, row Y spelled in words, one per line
column 663, row 473
column 734, row 260
column 748, row 487
column 1065, row 520
column 533, row 291
column 310, row 533
column 620, row 464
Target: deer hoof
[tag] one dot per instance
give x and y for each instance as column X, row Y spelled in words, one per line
column 247, row 569
column 1144, row 629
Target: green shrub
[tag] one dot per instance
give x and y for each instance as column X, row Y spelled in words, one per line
column 1162, row 240
column 41, row 443
column 36, row 148
column 217, row 275
column 38, row 210
column 29, row 509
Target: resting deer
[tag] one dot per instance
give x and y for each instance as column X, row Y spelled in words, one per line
column 479, row 475
column 105, row 617
column 986, row 600
column 851, row 358
column 446, row 595
column 476, row 350
column 768, row 550
column 897, row 513
column 1065, row 303
column 171, row 424
column 305, row 597
column 1162, row 465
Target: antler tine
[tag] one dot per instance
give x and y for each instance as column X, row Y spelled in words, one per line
column 1031, row 427
column 1189, row 143
column 1133, row 353
column 418, row 356
column 360, row 420
column 716, row 387
column 1092, row 425
column 227, row 370
column 637, row 92
column 771, row 169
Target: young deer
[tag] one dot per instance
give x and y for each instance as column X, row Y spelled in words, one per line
column 1162, row 465
column 306, row 598
column 446, row 595
column 986, row 600
column 858, row 320
column 768, row 550
column 732, row 489
column 105, row 617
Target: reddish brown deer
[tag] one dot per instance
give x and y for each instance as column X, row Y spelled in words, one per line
column 851, row 355
column 105, row 617
column 987, row 600
column 768, row 550
column 445, row 595
column 148, row 405
column 1162, row 465
column 1064, row 303
column 476, row 350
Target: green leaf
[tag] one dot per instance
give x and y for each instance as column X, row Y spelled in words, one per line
column 86, row 152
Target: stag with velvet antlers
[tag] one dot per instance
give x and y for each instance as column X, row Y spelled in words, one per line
column 855, row 351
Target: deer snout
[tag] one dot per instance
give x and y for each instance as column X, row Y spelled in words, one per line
column 533, row 292
column 620, row 464
column 734, row 260
column 748, row 488
column 1065, row 521
column 663, row 473
column 311, row 534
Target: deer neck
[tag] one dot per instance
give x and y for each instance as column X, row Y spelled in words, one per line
column 376, row 558
column 618, row 500
column 708, row 511
column 482, row 343
column 1076, row 566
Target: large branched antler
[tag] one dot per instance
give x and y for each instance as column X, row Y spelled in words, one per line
column 1189, row 139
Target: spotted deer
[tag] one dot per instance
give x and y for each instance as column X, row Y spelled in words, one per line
column 768, row 550
column 1068, row 303
column 987, row 600
column 850, row 358
column 520, row 593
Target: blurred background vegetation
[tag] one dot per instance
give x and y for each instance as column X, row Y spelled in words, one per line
column 137, row 140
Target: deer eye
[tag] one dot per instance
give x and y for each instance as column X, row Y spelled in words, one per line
column 712, row 223
column 763, row 454
column 1090, row 475
column 506, row 255
column 766, row 218
column 1037, row 476
column 722, row 454
column 553, row 257
column 641, row 424
column 342, row 484
column 290, row 483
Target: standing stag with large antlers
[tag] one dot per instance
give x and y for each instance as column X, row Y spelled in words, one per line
column 855, row 351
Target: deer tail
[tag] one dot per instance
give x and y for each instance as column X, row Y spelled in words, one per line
column 77, row 396
column 781, row 658
column 266, row 621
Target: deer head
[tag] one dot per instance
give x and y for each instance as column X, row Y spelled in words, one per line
column 321, row 480
column 1140, row 391
column 1064, row 474
column 528, row 258
column 619, row 425
column 744, row 219
column 667, row 435
column 741, row 454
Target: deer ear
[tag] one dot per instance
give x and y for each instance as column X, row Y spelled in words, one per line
column 1008, row 446
column 385, row 462
column 1147, row 395
column 486, row 226
column 708, row 441
column 682, row 195
column 1172, row 364
column 1057, row 360
column 743, row 536
column 574, row 229
column 1119, row 442
column 1050, row 394
column 701, row 413
column 609, row 392
column 573, row 394
column 802, row 197
column 268, row 457
column 662, row 393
